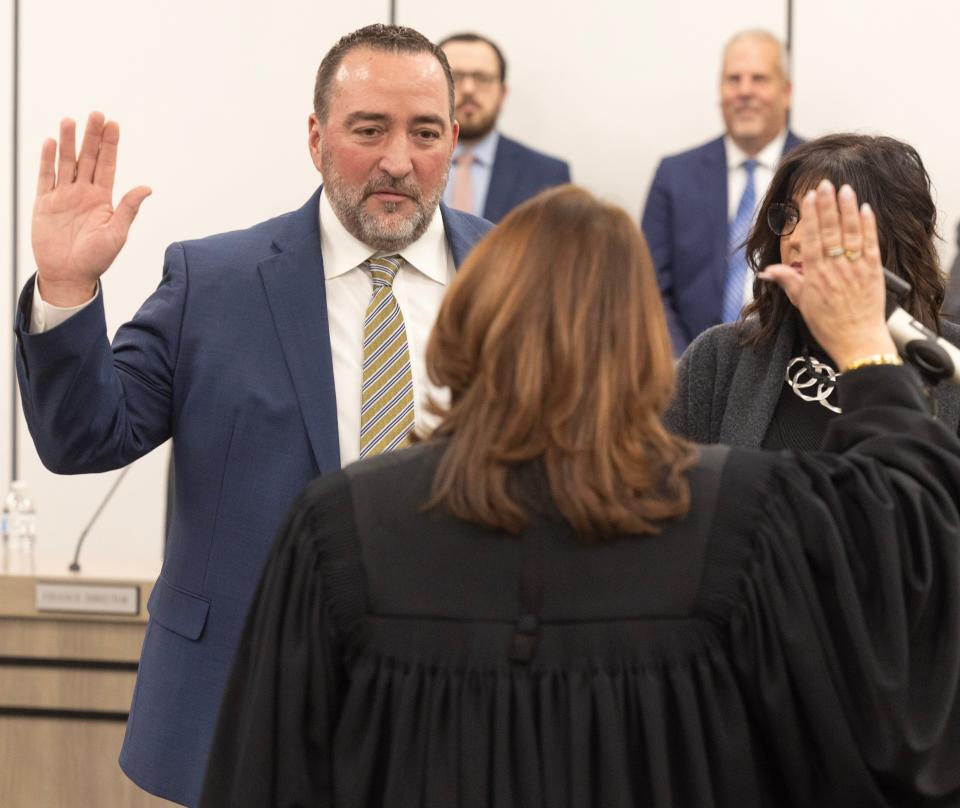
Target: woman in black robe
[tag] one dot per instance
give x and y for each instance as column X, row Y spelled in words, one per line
column 555, row 602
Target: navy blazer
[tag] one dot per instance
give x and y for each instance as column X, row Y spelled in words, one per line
column 518, row 174
column 685, row 224
column 231, row 358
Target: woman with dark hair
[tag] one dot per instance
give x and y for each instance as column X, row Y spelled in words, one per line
column 765, row 381
column 555, row 602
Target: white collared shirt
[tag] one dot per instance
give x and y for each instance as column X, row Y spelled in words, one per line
column 419, row 288
column 768, row 158
column 44, row 316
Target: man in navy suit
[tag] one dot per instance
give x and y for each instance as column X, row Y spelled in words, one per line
column 691, row 211
column 492, row 174
column 248, row 355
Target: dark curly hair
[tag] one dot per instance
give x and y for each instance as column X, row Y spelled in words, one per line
column 885, row 173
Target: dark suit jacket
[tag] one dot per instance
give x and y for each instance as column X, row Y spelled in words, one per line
column 518, row 174
column 231, row 357
column 685, row 224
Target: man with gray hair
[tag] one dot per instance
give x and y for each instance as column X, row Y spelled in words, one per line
column 702, row 202
column 270, row 355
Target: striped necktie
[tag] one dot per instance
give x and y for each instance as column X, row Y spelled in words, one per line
column 386, row 410
column 733, row 291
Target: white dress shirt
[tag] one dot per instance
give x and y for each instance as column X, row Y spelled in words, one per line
column 768, row 158
column 44, row 316
column 419, row 288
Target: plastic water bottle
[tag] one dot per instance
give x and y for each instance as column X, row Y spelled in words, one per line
column 19, row 528
column 5, row 538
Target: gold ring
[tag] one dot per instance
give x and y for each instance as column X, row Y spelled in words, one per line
column 835, row 252
column 852, row 255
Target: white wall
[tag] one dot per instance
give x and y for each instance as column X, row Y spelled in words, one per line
column 879, row 66
column 213, row 97
column 611, row 89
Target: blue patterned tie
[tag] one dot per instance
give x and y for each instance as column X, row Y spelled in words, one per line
column 737, row 234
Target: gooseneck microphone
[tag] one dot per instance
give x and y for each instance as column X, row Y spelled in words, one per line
column 75, row 564
column 933, row 356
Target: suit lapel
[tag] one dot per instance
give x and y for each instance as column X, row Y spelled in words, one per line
column 791, row 143
column 713, row 166
column 755, row 389
column 503, row 178
column 460, row 235
column 294, row 284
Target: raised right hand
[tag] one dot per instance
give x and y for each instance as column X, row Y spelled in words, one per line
column 76, row 232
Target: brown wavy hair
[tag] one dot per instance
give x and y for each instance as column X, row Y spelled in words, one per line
column 553, row 342
column 890, row 176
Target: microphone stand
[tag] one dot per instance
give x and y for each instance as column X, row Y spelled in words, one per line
column 75, row 564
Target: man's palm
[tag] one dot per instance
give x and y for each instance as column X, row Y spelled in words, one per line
column 76, row 231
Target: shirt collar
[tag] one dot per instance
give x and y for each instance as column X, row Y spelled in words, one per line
column 768, row 157
column 484, row 150
column 343, row 252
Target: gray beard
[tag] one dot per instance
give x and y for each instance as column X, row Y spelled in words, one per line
column 372, row 230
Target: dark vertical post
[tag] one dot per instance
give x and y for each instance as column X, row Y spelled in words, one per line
column 15, row 226
column 393, row 12
column 788, row 43
column 789, row 40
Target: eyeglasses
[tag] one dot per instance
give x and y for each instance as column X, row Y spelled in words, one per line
column 782, row 218
column 479, row 78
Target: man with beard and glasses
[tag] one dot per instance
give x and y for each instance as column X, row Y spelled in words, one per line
column 270, row 355
column 702, row 202
column 492, row 174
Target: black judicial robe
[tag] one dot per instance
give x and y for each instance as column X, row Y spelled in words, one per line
column 794, row 641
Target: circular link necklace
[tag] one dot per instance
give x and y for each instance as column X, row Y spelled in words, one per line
column 812, row 380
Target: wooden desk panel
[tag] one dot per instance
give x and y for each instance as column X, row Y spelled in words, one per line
column 53, row 763
column 66, row 681
column 61, row 637
column 53, row 688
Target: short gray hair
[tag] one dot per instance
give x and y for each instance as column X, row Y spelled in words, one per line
column 783, row 55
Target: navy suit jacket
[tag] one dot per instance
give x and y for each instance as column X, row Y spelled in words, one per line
column 518, row 174
column 685, row 224
column 231, row 357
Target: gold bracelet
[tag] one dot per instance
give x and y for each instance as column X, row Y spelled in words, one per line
column 875, row 359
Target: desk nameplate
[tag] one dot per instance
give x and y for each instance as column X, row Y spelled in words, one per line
column 86, row 598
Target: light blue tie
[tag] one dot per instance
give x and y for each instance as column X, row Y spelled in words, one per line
column 737, row 234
